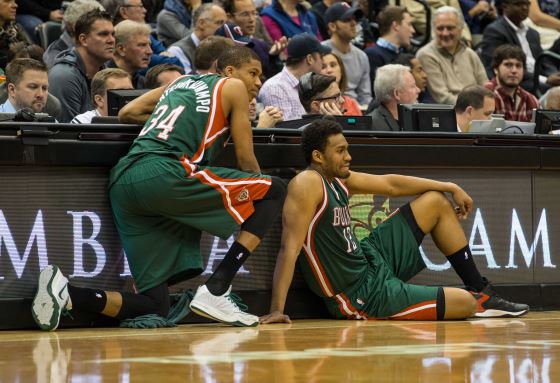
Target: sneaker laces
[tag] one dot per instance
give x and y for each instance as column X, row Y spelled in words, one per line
column 66, row 313
column 236, row 300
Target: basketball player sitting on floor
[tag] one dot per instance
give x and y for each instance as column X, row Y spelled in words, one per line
column 166, row 191
column 367, row 279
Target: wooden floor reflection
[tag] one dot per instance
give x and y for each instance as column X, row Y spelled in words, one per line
column 498, row 350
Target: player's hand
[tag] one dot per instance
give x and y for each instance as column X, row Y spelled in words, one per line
column 464, row 203
column 269, row 117
column 274, row 317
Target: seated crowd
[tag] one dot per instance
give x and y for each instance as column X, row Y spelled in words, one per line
column 318, row 57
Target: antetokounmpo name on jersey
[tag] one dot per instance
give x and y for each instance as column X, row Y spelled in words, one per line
column 200, row 89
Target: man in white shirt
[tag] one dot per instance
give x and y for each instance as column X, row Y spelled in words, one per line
column 110, row 78
column 27, row 84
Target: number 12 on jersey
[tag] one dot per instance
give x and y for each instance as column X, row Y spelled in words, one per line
column 352, row 246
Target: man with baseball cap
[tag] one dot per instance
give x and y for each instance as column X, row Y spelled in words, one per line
column 341, row 21
column 305, row 54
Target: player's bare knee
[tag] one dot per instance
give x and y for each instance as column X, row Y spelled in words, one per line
column 436, row 200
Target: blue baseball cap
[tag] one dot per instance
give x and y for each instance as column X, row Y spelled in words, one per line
column 305, row 43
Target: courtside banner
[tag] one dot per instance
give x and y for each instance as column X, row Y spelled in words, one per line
column 61, row 215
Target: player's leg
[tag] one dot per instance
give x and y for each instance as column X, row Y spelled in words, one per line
column 55, row 295
column 252, row 231
column 459, row 304
column 434, row 214
column 213, row 299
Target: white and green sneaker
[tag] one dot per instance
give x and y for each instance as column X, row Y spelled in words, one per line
column 52, row 298
column 226, row 308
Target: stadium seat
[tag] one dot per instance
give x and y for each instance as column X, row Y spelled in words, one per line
column 48, row 32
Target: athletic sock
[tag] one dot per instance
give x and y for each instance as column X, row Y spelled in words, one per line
column 91, row 300
column 463, row 263
column 219, row 282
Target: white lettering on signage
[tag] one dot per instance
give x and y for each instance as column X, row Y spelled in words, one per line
column 80, row 241
column 526, row 251
column 37, row 236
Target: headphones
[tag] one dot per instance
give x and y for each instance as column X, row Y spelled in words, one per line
column 306, row 82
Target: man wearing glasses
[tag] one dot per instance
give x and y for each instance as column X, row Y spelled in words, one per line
column 206, row 20
column 320, row 94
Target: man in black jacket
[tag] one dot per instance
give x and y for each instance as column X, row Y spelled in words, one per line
column 509, row 29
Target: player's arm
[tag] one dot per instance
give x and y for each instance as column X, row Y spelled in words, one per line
column 235, row 102
column 395, row 185
column 139, row 110
column 304, row 195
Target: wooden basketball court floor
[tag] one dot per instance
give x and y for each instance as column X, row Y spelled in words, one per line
column 492, row 350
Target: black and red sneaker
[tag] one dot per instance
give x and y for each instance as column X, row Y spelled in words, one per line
column 490, row 305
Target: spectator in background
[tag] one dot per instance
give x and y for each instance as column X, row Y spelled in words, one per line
column 544, row 17
column 31, row 13
column 514, row 102
column 396, row 31
column 394, row 84
column 509, row 29
column 12, row 32
column 162, row 75
column 28, row 86
column 244, row 15
column 134, row 10
column 206, row 20
column 288, row 18
column 268, row 118
column 419, row 18
column 333, row 66
column 449, row 63
column 419, row 74
column 268, row 54
column 319, row 9
column 552, row 99
column 67, row 40
column 104, row 80
column 207, row 53
column 73, row 69
column 319, row 94
column 342, row 20
column 175, row 20
column 153, row 8
column 475, row 102
column 305, row 54
column 132, row 50
column 478, row 14
column 23, row 49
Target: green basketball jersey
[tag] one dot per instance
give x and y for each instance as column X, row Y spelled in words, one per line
column 188, row 124
column 332, row 260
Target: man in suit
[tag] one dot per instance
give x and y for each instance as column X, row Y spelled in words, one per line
column 394, row 84
column 206, row 20
column 509, row 29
